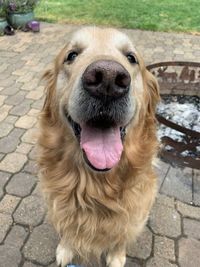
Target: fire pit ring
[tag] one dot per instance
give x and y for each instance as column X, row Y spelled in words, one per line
column 182, row 79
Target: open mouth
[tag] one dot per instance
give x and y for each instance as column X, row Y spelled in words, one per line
column 101, row 142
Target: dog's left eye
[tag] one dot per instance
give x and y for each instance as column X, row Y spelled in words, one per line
column 131, row 58
column 71, row 57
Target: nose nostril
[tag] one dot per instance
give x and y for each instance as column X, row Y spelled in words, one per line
column 122, row 80
column 93, row 78
column 98, row 77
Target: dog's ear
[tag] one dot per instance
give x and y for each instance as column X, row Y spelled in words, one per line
column 151, row 89
column 153, row 92
column 50, row 77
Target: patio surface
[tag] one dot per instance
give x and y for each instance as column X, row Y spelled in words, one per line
column 172, row 236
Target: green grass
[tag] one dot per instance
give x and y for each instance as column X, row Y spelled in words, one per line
column 156, row 15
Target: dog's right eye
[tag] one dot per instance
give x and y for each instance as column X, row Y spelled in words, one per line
column 71, row 57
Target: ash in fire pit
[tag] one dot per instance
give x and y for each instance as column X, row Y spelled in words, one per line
column 180, row 144
column 182, row 110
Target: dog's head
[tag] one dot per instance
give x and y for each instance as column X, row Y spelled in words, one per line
column 99, row 88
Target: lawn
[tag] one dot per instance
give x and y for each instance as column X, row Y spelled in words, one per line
column 156, row 15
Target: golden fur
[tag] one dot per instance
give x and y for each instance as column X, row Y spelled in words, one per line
column 97, row 212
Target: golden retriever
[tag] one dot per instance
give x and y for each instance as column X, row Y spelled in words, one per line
column 96, row 145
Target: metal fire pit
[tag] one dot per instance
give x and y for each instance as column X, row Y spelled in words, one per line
column 178, row 78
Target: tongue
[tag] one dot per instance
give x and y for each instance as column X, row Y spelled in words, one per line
column 103, row 148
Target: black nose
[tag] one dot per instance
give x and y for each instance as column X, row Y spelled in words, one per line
column 106, row 79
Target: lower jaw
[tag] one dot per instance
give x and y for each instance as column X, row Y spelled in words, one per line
column 91, row 166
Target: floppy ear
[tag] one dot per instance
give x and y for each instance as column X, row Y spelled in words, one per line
column 50, row 76
column 153, row 92
column 151, row 88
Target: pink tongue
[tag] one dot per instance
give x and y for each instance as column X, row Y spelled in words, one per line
column 102, row 147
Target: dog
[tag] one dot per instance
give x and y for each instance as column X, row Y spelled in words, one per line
column 96, row 146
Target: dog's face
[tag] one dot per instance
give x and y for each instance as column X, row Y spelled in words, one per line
column 99, row 92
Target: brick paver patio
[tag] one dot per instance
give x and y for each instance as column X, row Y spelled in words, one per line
column 172, row 236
